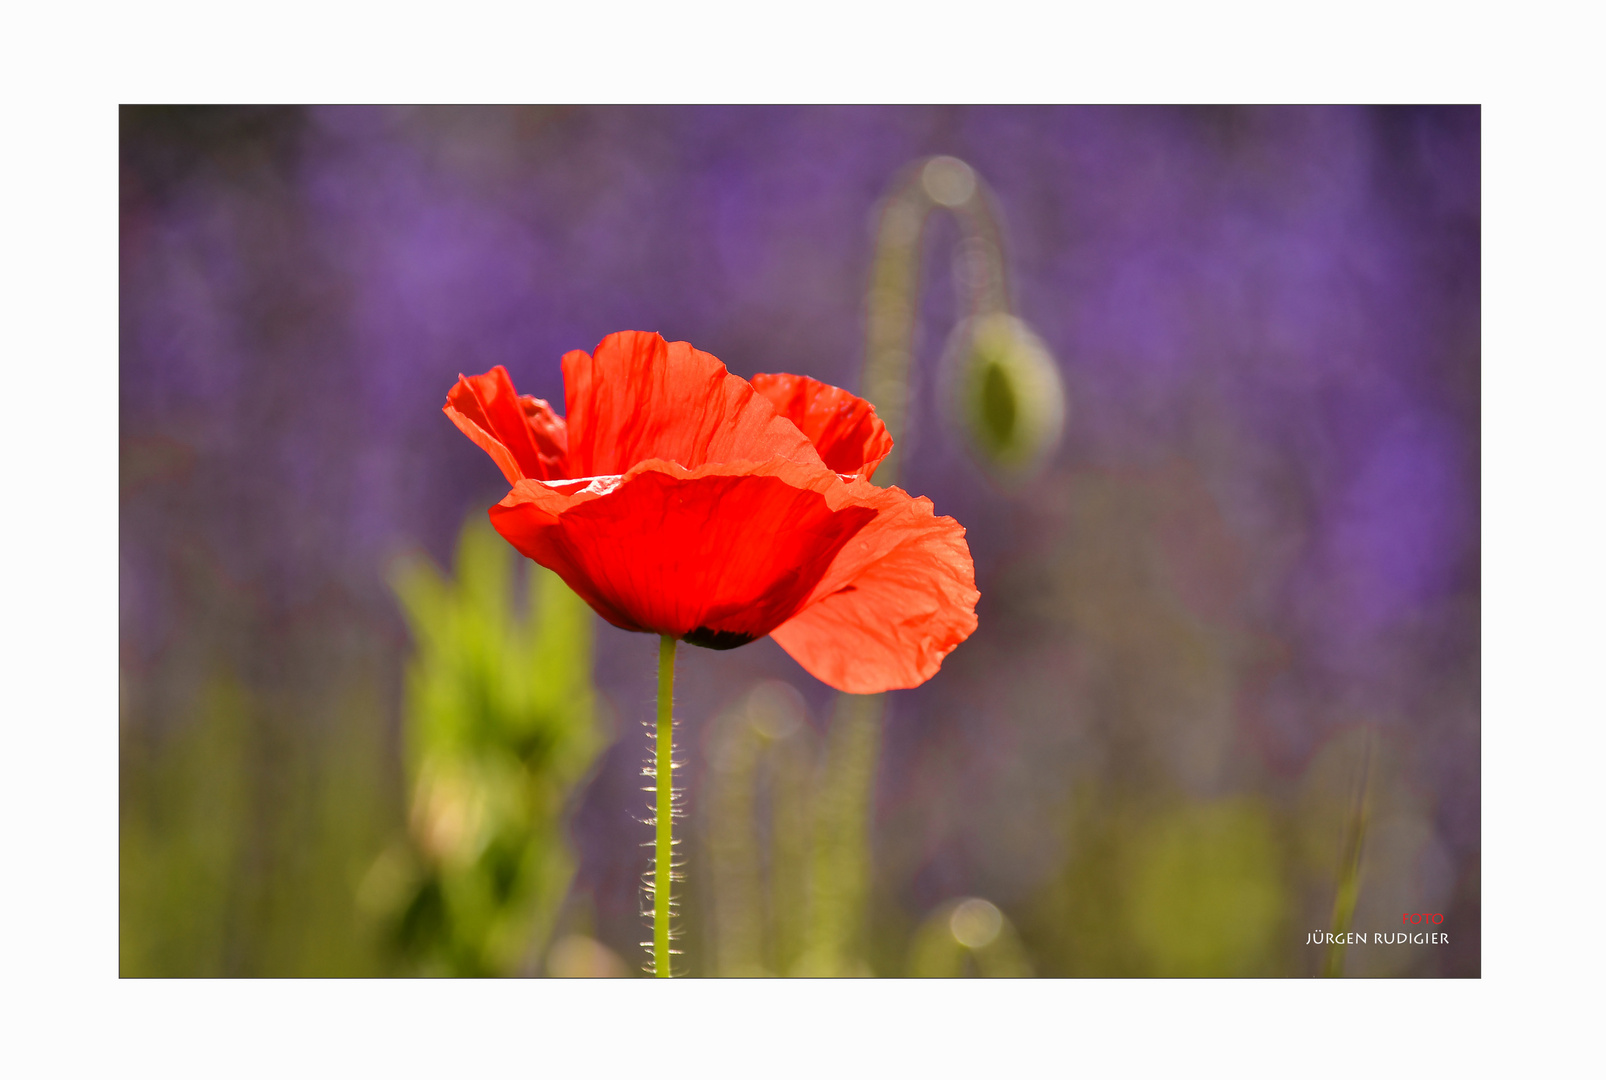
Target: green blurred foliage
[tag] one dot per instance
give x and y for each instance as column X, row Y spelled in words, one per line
column 247, row 817
column 1179, row 889
column 1151, row 883
column 1205, row 893
column 261, row 801
column 182, row 820
column 501, row 728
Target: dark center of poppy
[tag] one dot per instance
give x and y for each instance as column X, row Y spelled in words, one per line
column 716, row 639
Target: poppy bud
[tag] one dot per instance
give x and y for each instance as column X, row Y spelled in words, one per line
column 1005, row 394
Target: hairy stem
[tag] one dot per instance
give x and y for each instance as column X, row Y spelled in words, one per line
column 664, row 769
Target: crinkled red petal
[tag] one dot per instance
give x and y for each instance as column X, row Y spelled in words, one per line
column 523, row 435
column 639, row 398
column 844, row 428
column 718, row 556
column 899, row 597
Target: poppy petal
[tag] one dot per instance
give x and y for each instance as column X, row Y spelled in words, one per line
column 639, row 397
column 523, row 435
column 898, row 598
column 715, row 556
column 844, row 428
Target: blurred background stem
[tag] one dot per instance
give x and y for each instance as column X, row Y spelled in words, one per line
column 1349, row 872
column 838, row 884
column 840, row 858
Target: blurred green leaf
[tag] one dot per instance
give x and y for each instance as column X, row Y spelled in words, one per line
column 501, row 728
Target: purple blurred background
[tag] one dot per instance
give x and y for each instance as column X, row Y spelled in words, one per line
column 1260, row 533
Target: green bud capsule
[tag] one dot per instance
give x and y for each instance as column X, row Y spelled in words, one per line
column 1005, row 395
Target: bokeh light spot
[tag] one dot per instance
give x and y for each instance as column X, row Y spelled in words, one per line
column 975, row 923
column 948, row 181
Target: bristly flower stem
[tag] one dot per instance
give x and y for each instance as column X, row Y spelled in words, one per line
column 664, row 769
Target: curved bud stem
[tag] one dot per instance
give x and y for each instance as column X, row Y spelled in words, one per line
column 930, row 184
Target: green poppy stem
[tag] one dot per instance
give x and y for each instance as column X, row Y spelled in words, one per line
column 664, row 770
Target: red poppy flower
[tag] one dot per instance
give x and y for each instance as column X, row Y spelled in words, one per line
column 677, row 498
